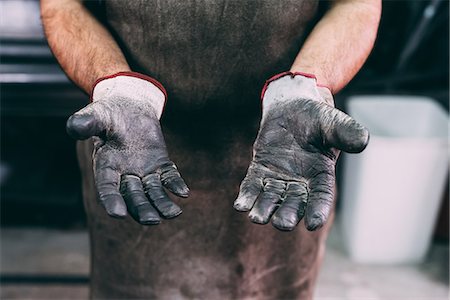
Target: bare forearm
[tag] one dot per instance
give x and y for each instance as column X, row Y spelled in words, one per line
column 340, row 43
column 83, row 47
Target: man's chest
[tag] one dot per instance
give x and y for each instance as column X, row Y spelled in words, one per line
column 210, row 21
column 206, row 49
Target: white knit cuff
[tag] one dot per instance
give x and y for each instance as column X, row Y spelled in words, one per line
column 289, row 88
column 130, row 86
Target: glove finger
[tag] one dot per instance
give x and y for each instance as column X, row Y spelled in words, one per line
column 343, row 132
column 171, row 179
column 292, row 208
column 107, row 183
column 85, row 123
column 249, row 190
column 138, row 205
column 158, row 197
column 320, row 200
column 267, row 201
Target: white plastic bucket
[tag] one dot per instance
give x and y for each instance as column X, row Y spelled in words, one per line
column 391, row 192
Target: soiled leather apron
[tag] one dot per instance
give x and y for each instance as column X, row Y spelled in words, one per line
column 213, row 58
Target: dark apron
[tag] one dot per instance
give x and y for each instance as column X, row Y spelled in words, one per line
column 212, row 57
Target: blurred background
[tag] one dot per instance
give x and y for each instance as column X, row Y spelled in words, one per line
column 400, row 250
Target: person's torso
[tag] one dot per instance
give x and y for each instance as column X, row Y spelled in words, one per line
column 210, row 54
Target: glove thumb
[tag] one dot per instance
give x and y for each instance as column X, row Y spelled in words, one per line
column 85, row 123
column 344, row 133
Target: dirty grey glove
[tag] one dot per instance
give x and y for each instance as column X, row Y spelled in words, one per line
column 292, row 173
column 130, row 159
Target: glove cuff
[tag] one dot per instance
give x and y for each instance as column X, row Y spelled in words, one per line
column 277, row 76
column 131, row 84
column 288, row 86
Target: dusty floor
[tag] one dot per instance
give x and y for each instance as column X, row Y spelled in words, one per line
column 33, row 260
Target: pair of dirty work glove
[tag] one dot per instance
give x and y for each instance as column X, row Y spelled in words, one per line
column 291, row 175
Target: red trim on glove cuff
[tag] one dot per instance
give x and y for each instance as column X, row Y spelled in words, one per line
column 133, row 74
column 292, row 74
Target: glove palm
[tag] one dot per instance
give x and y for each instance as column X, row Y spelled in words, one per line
column 130, row 157
column 292, row 173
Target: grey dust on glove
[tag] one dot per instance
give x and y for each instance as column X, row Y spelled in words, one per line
column 292, row 173
column 130, row 160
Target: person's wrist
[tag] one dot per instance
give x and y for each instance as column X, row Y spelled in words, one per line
column 131, row 85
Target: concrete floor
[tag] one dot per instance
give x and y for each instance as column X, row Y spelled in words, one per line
column 29, row 254
column 341, row 278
